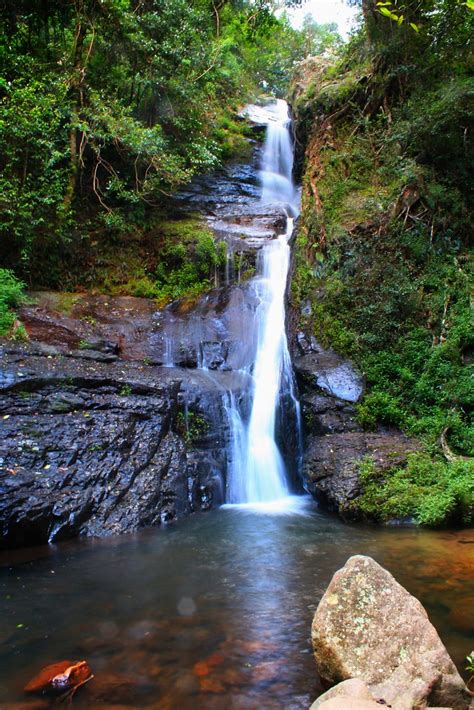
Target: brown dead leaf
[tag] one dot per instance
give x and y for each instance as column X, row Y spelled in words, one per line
column 59, row 678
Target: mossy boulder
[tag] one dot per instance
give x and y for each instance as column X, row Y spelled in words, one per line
column 368, row 626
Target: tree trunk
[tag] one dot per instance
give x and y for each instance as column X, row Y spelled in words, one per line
column 77, row 96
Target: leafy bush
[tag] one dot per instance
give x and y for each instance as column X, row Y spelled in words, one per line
column 188, row 260
column 432, row 491
column 11, row 296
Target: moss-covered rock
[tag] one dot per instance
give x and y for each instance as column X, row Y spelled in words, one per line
column 368, row 626
column 381, row 260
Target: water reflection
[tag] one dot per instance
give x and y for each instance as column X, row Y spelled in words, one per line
column 214, row 612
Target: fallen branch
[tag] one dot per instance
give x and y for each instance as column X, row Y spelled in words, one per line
column 449, row 454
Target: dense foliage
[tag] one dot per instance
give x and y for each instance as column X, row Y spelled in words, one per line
column 428, row 488
column 108, row 106
column 383, row 250
column 11, row 296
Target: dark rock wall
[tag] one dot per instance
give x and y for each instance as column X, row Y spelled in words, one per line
column 93, row 448
column 334, row 442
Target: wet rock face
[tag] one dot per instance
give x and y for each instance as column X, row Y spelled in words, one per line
column 368, row 626
column 327, row 371
column 94, row 448
column 114, row 414
column 331, row 465
column 218, row 332
column 334, row 442
column 233, row 184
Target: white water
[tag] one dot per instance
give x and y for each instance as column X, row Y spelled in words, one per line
column 258, row 475
column 277, row 166
column 168, row 353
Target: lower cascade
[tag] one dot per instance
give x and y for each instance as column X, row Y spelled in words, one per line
column 257, row 470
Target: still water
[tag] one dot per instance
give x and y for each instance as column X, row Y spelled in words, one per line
column 214, row 612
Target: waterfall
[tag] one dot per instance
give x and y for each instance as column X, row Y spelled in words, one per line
column 259, row 475
column 277, row 165
column 168, row 353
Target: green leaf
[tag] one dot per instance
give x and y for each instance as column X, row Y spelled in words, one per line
column 414, row 27
column 385, row 11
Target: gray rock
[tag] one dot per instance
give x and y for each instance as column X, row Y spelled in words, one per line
column 328, row 371
column 334, row 441
column 368, row 626
column 327, row 415
column 93, row 448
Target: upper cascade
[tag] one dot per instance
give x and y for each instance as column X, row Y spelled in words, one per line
column 278, row 157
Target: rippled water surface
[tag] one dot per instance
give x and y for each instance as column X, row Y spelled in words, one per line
column 214, row 612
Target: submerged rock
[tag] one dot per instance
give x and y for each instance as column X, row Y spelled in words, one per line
column 60, row 678
column 368, row 626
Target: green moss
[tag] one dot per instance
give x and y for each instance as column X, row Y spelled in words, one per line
column 64, row 302
column 191, row 426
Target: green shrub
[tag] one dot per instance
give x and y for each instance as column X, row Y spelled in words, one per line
column 191, row 426
column 188, row 260
column 11, row 296
column 379, row 406
column 143, row 287
column 432, row 491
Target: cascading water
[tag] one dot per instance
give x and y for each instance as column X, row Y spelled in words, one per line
column 277, row 165
column 260, row 476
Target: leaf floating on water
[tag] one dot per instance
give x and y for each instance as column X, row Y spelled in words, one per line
column 59, row 678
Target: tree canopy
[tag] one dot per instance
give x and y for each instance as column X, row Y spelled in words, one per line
column 107, row 106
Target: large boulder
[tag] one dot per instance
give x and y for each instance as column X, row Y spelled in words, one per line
column 368, row 626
